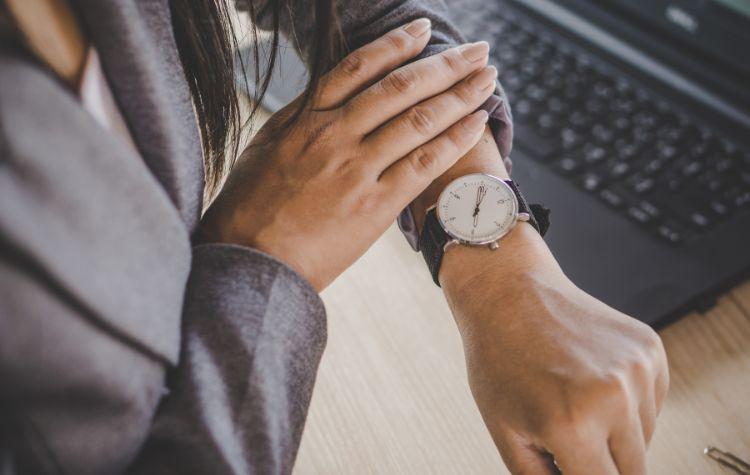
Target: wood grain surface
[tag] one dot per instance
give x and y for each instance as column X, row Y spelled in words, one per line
column 392, row 397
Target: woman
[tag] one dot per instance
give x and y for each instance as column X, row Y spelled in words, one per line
column 137, row 336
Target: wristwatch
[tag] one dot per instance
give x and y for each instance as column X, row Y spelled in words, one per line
column 475, row 210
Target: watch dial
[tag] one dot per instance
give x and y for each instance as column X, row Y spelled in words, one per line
column 477, row 208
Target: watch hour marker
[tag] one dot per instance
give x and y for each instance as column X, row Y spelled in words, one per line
column 455, row 195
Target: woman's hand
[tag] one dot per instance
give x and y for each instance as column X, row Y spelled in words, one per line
column 376, row 134
column 555, row 372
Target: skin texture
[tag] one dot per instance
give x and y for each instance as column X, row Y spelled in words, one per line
column 554, row 371
column 376, row 135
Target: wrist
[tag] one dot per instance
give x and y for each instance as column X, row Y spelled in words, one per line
column 476, row 270
column 484, row 157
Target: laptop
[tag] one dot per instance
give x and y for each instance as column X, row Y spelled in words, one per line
column 632, row 122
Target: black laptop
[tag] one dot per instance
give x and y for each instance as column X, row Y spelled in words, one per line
column 633, row 124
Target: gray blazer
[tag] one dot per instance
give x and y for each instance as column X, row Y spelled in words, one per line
column 123, row 347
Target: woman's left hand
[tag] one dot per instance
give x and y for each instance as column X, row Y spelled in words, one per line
column 375, row 135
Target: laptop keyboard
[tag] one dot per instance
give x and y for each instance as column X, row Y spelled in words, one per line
column 611, row 137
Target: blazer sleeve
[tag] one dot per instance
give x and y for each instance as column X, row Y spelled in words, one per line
column 363, row 21
column 77, row 398
column 253, row 334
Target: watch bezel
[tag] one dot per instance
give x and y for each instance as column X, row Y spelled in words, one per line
column 485, row 241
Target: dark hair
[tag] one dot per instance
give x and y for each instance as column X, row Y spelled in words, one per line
column 208, row 46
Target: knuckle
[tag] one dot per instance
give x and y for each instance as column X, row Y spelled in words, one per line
column 615, row 381
column 423, row 162
column 451, row 60
column 565, row 425
column 653, row 343
column 652, row 353
column 320, row 135
column 421, row 119
column 615, row 389
column 457, row 138
column 368, row 202
column 353, row 65
column 465, row 94
column 399, row 81
column 641, row 368
column 397, row 41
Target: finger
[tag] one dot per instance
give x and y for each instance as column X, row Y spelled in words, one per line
column 583, row 457
column 408, row 177
column 647, row 414
column 427, row 120
column 628, row 448
column 520, row 456
column 411, row 84
column 371, row 62
column 661, row 387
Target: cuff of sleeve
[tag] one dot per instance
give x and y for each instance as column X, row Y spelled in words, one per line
column 255, row 293
column 501, row 124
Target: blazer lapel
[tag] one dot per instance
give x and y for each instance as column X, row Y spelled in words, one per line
column 139, row 56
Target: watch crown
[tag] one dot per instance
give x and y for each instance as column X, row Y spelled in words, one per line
column 494, row 245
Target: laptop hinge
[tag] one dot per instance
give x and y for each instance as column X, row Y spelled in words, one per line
column 637, row 58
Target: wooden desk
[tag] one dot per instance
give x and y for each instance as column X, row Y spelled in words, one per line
column 392, row 397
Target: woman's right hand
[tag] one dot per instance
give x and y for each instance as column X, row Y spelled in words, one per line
column 375, row 135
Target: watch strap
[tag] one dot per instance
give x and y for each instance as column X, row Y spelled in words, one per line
column 538, row 214
column 432, row 243
column 433, row 238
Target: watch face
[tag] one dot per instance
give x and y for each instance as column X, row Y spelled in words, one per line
column 477, row 208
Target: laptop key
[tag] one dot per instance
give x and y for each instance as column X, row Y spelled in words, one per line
column 719, row 207
column 568, row 165
column 700, row 219
column 692, row 168
column 590, row 181
column 670, row 233
column 611, row 197
column 594, row 154
column 617, row 169
column 639, row 215
column 570, row 139
column 650, row 208
column 641, row 184
column 738, row 197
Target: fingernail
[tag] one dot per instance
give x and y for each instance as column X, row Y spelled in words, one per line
column 418, row 27
column 485, row 78
column 477, row 119
column 475, row 51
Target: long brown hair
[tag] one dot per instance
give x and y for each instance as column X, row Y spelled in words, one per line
column 208, row 46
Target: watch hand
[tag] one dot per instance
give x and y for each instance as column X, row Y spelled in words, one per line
column 482, row 193
column 476, row 218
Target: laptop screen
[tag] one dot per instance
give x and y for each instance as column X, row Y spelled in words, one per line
column 708, row 40
column 718, row 29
